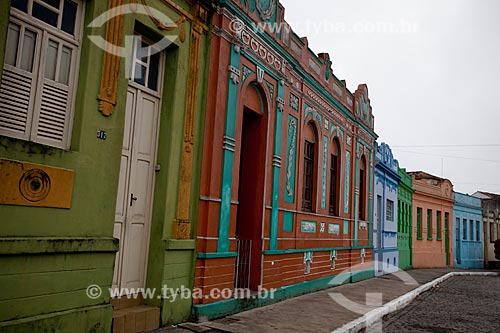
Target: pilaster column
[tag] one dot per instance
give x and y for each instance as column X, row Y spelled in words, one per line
column 181, row 227
column 280, row 105
column 228, row 147
column 370, row 201
column 111, row 62
column 356, row 194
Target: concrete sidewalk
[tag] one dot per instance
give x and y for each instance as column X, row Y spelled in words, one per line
column 315, row 312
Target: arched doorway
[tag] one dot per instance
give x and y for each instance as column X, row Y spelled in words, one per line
column 251, row 188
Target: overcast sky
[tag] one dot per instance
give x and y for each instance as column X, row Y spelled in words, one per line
column 433, row 74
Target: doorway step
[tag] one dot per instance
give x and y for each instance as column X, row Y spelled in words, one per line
column 132, row 315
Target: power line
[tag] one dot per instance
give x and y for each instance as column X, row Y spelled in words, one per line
column 447, row 146
column 473, row 183
column 448, row 156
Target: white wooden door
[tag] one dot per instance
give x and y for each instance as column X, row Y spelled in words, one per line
column 135, row 189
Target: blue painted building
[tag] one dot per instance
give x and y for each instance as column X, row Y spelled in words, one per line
column 385, row 213
column 468, row 231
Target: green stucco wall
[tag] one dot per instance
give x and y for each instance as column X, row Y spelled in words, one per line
column 49, row 256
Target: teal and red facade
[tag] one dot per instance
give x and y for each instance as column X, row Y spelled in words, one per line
column 287, row 168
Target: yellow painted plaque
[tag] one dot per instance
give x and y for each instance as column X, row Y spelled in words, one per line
column 28, row 184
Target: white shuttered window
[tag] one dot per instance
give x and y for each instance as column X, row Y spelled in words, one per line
column 39, row 78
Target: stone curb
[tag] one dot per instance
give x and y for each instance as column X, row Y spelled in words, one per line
column 400, row 302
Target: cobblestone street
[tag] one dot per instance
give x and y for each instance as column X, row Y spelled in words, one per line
column 318, row 312
column 460, row 304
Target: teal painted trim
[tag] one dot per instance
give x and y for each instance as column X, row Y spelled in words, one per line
column 315, row 116
column 254, row 61
column 347, row 181
column 252, row 7
column 280, row 105
column 228, row 156
column 362, row 275
column 288, row 221
column 232, row 96
column 308, row 78
column 224, row 308
column 346, row 227
column 362, row 247
column 308, row 226
column 220, row 309
column 364, row 143
column 273, row 243
column 315, row 56
column 225, row 207
column 291, row 159
column 245, row 73
column 288, row 251
column 298, row 39
column 334, row 228
column 356, row 196
column 324, row 167
column 211, row 255
column 317, row 87
column 292, row 61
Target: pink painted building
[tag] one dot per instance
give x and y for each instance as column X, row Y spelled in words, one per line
column 432, row 221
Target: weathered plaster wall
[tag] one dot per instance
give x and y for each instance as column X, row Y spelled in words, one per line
column 49, row 256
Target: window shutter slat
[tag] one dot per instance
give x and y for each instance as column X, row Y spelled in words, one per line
column 32, row 106
column 52, row 122
column 16, row 94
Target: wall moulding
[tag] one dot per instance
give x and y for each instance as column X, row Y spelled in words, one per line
column 338, row 118
column 111, row 63
column 114, row 36
column 181, row 228
column 252, row 44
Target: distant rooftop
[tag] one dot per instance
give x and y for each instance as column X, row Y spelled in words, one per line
column 485, row 195
column 424, row 175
